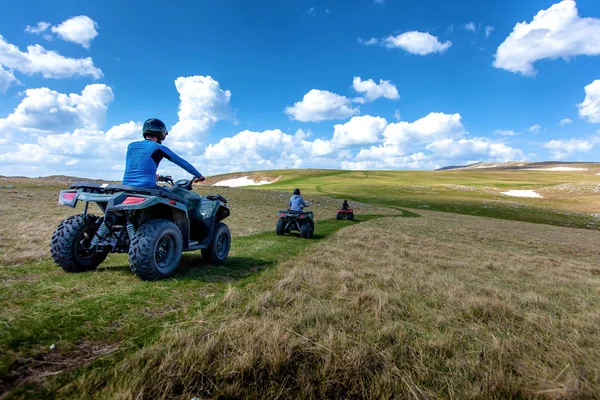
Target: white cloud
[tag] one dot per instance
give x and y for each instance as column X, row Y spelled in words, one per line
column 560, row 149
column 470, row 27
column 48, row 63
column 535, row 128
column 556, row 32
column 50, row 132
column 318, row 105
column 40, row 27
column 403, row 137
column 565, row 121
column 488, row 31
column 44, row 111
column 372, row 91
column 80, row 30
column 397, row 115
column 421, row 43
column 590, row 107
column 505, row 132
column 369, row 42
column 476, row 148
column 359, row 131
column 7, row 79
column 203, row 103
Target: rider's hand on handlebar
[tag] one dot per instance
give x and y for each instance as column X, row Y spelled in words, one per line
column 199, row 179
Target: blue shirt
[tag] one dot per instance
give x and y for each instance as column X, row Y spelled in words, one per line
column 143, row 158
column 296, row 203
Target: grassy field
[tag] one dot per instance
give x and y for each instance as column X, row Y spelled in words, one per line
column 401, row 303
column 569, row 197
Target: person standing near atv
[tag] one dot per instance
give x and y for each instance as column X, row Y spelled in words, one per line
column 144, row 156
column 296, row 201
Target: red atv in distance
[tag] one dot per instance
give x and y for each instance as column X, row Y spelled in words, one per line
column 345, row 214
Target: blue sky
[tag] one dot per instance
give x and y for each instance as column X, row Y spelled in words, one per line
column 363, row 84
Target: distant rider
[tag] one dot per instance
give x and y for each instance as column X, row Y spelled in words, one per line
column 296, row 201
column 144, row 156
column 345, row 205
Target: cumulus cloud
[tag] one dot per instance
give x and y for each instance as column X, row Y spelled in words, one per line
column 80, row 29
column 359, row 131
column 535, row 128
column 319, row 105
column 402, row 138
column 202, row 104
column 590, row 107
column 414, row 42
column 558, row 32
column 7, row 79
column 39, row 28
column 565, row 121
column 560, row 149
column 51, row 132
column 372, row 91
column 38, row 60
column 476, row 148
column 470, row 27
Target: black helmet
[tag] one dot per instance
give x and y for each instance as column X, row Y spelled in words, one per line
column 296, row 191
column 155, row 127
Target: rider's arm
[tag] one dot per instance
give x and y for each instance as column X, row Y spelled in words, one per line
column 174, row 158
column 303, row 202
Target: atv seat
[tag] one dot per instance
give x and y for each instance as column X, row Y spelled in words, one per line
column 112, row 188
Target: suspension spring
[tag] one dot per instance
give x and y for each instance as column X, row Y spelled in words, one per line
column 130, row 231
column 99, row 235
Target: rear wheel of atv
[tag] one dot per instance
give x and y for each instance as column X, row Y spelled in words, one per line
column 305, row 229
column 280, row 227
column 312, row 227
column 350, row 217
column 218, row 250
column 155, row 250
column 338, row 216
column 69, row 245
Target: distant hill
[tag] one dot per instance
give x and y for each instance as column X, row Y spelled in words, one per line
column 522, row 165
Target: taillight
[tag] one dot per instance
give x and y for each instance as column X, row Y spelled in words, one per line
column 301, row 216
column 69, row 196
column 282, row 215
column 133, row 200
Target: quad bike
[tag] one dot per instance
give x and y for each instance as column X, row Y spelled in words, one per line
column 154, row 226
column 345, row 214
column 301, row 221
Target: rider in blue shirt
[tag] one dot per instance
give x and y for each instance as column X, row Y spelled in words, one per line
column 296, row 201
column 144, row 156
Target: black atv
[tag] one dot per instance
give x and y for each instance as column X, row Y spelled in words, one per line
column 301, row 221
column 154, row 226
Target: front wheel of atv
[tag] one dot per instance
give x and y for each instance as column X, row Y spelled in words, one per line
column 305, row 230
column 155, row 250
column 280, row 227
column 218, row 250
column 70, row 241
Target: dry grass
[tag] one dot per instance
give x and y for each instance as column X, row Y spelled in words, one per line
column 30, row 212
column 443, row 306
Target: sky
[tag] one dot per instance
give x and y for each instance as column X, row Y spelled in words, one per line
column 257, row 85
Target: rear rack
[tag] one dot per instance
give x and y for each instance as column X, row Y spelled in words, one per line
column 109, row 188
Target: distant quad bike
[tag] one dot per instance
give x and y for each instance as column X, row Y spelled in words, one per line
column 154, row 226
column 301, row 221
column 345, row 214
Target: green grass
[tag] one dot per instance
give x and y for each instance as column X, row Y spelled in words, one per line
column 472, row 192
column 439, row 306
column 43, row 306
